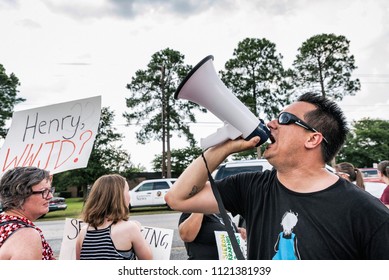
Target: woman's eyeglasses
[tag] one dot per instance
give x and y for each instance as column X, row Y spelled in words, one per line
column 288, row 118
column 45, row 193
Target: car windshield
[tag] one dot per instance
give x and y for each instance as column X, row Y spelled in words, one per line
column 369, row 173
column 228, row 171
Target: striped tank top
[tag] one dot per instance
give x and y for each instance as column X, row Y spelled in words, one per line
column 98, row 245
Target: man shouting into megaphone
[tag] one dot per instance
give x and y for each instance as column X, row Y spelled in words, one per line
column 299, row 199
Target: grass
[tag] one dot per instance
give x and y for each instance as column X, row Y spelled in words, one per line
column 72, row 211
column 75, row 207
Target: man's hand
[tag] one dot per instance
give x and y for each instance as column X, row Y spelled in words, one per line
column 242, row 232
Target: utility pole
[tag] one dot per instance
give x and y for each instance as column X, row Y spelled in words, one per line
column 162, row 82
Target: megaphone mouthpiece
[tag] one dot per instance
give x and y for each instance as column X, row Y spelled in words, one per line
column 203, row 87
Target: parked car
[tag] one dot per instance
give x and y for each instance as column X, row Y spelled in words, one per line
column 57, row 203
column 239, row 166
column 150, row 192
column 370, row 174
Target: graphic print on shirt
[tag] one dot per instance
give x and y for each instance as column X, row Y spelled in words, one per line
column 286, row 245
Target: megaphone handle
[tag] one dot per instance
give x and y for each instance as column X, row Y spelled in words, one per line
column 222, row 134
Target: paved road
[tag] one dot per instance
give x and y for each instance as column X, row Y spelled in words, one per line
column 53, row 232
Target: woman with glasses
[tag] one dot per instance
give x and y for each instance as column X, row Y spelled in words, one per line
column 25, row 193
column 109, row 235
column 332, row 219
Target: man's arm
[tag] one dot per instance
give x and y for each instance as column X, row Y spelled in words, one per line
column 192, row 191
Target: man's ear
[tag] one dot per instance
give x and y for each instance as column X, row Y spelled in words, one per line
column 314, row 140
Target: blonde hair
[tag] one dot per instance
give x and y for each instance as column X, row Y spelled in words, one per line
column 106, row 200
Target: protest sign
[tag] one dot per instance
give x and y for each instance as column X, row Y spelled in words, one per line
column 160, row 240
column 71, row 231
column 224, row 246
column 57, row 137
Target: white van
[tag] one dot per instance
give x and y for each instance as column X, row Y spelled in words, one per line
column 150, row 192
column 239, row 166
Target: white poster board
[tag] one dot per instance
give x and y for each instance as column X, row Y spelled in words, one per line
column 160, row 240
column 71, row 231
column 224, row 246
column 57, row 137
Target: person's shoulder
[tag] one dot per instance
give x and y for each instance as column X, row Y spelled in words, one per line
column 26, row 234
column 353, row 188
column 129, row 225
column 254, row 175
column 350, row 189
column 264, row 178
column 363, row 199
column 24, row 244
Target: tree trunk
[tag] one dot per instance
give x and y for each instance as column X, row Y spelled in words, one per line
column 168, row 155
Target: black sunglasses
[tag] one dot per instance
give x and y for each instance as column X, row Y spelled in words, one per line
column 288, row 118
column 45, row 193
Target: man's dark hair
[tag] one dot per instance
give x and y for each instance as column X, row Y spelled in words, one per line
column 328, row 119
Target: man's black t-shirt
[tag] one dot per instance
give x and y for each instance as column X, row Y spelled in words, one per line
column 339, row 222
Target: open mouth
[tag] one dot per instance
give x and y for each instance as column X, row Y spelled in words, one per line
column 272, row 140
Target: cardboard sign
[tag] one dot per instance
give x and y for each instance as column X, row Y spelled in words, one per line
column 71, row 231
column 57, row 138
column 160, row 240
column 224, row 246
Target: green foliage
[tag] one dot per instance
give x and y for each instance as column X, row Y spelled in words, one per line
column 324, row 65
column 151, row 102
column 256, row 76
column 8, row 98
column 180, row 159
column 106, row 157
column 368, row 143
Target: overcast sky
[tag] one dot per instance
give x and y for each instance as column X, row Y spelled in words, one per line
column 70, row 49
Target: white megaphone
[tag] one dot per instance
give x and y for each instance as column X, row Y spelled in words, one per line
column 203, row 87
